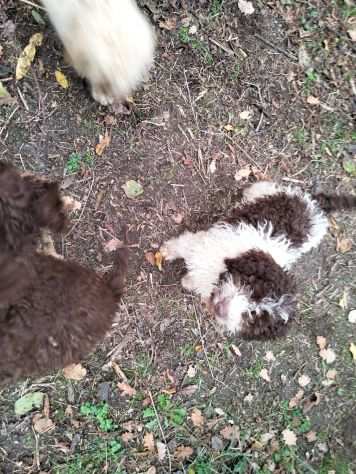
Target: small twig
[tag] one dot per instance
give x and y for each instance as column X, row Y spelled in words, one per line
column 248, row 156
column 221, row 46
column 202, row 342
column 33, row 4
column 161, row 430
column 23, row 100
column 276, row 48
column 8, row 120
column 83, row 208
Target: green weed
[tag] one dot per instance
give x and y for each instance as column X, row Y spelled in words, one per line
column 173, row 415
column 100, row 414
column 76, row 161
column 195, row 44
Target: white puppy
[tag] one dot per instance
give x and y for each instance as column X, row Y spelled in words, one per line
column 109, row 42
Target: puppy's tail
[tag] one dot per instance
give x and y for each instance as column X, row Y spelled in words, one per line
column 116, row 278
column 335, row 202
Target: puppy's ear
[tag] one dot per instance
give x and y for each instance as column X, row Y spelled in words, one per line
column 49, row 208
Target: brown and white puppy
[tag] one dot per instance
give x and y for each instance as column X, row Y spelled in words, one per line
column 52, row 312
column 109, row 42
column 240, row 266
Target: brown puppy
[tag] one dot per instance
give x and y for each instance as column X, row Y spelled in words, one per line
column 52, row 312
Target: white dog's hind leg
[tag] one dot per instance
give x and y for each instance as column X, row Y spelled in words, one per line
column 109, row 42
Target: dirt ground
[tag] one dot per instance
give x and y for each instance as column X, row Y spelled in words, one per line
column 231, row 98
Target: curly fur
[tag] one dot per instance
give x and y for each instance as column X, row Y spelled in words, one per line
column 239, row 266
column 52, row 312
column 109, row 42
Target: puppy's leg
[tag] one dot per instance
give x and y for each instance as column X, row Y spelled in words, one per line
column 46, row 245
column 188, row 282
column 109, row 42
column 259, row 190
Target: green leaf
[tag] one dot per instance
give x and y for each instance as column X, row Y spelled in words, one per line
column 349, row 166
column 132, row 189
column 37, row 17
column 29, row 402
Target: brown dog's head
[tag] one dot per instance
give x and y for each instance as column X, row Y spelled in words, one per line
column 27, row 204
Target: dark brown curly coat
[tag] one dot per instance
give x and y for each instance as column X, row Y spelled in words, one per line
column 52, row 312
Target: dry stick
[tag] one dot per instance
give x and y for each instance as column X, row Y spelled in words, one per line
column 202, row 342
column 161, row 430
column 83, row 208
column 33, row 4
column 248, row 156
column 276, row 48
column 9, row 119
column 230, row 52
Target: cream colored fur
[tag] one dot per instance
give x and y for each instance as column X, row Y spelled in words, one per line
column 110, row 43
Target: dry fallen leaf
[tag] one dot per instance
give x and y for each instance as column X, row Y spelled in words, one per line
column 352, row 316
column 343, row 245
column 344, row 300
column 27, row 56
column 295, row 401
column 132, row 189
column 168, row 24
column 245, row 114
column 242, row 173
column 191, row 372
column 149, row 442
column 42, row 424
column 230, row 432
column 112, row 245
column 229, row 127
column 235, row 350
column 61, row 79
column 127, row 437
column 71, row 204
column 321, row 342
column 331, row 374
column 151, row 470
column 5, row 97
column 104, row 142
column 161, row 450
column 269, row 357
column 183, row 452
column 188, row 390
column 74, row 372
column 328, row 355
column 311, row 436
column 313, row 100
column 126, row 389
column 352, row 33
column 353, row 350
column 158, row 260
column 265, row 375
column 150, row 257
column 303, row 380
column 212, row 167
column 197, row 418
column 266, row 437
column 246, row 7
column 289, row 437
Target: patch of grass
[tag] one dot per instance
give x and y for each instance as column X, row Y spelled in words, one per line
column 310, row 81
column 173, row 415
column 294, row 419
column 215, row 8
column 300, row 136
column 143, row 366
column 100, row 414
column 76, row 161
column 286, row 458
column 98, row 458
column 254, row 370
column 334, row 464
column 195, row 44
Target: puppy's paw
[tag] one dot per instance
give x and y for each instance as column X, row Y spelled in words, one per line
column 188, row 282
column 101, row 95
